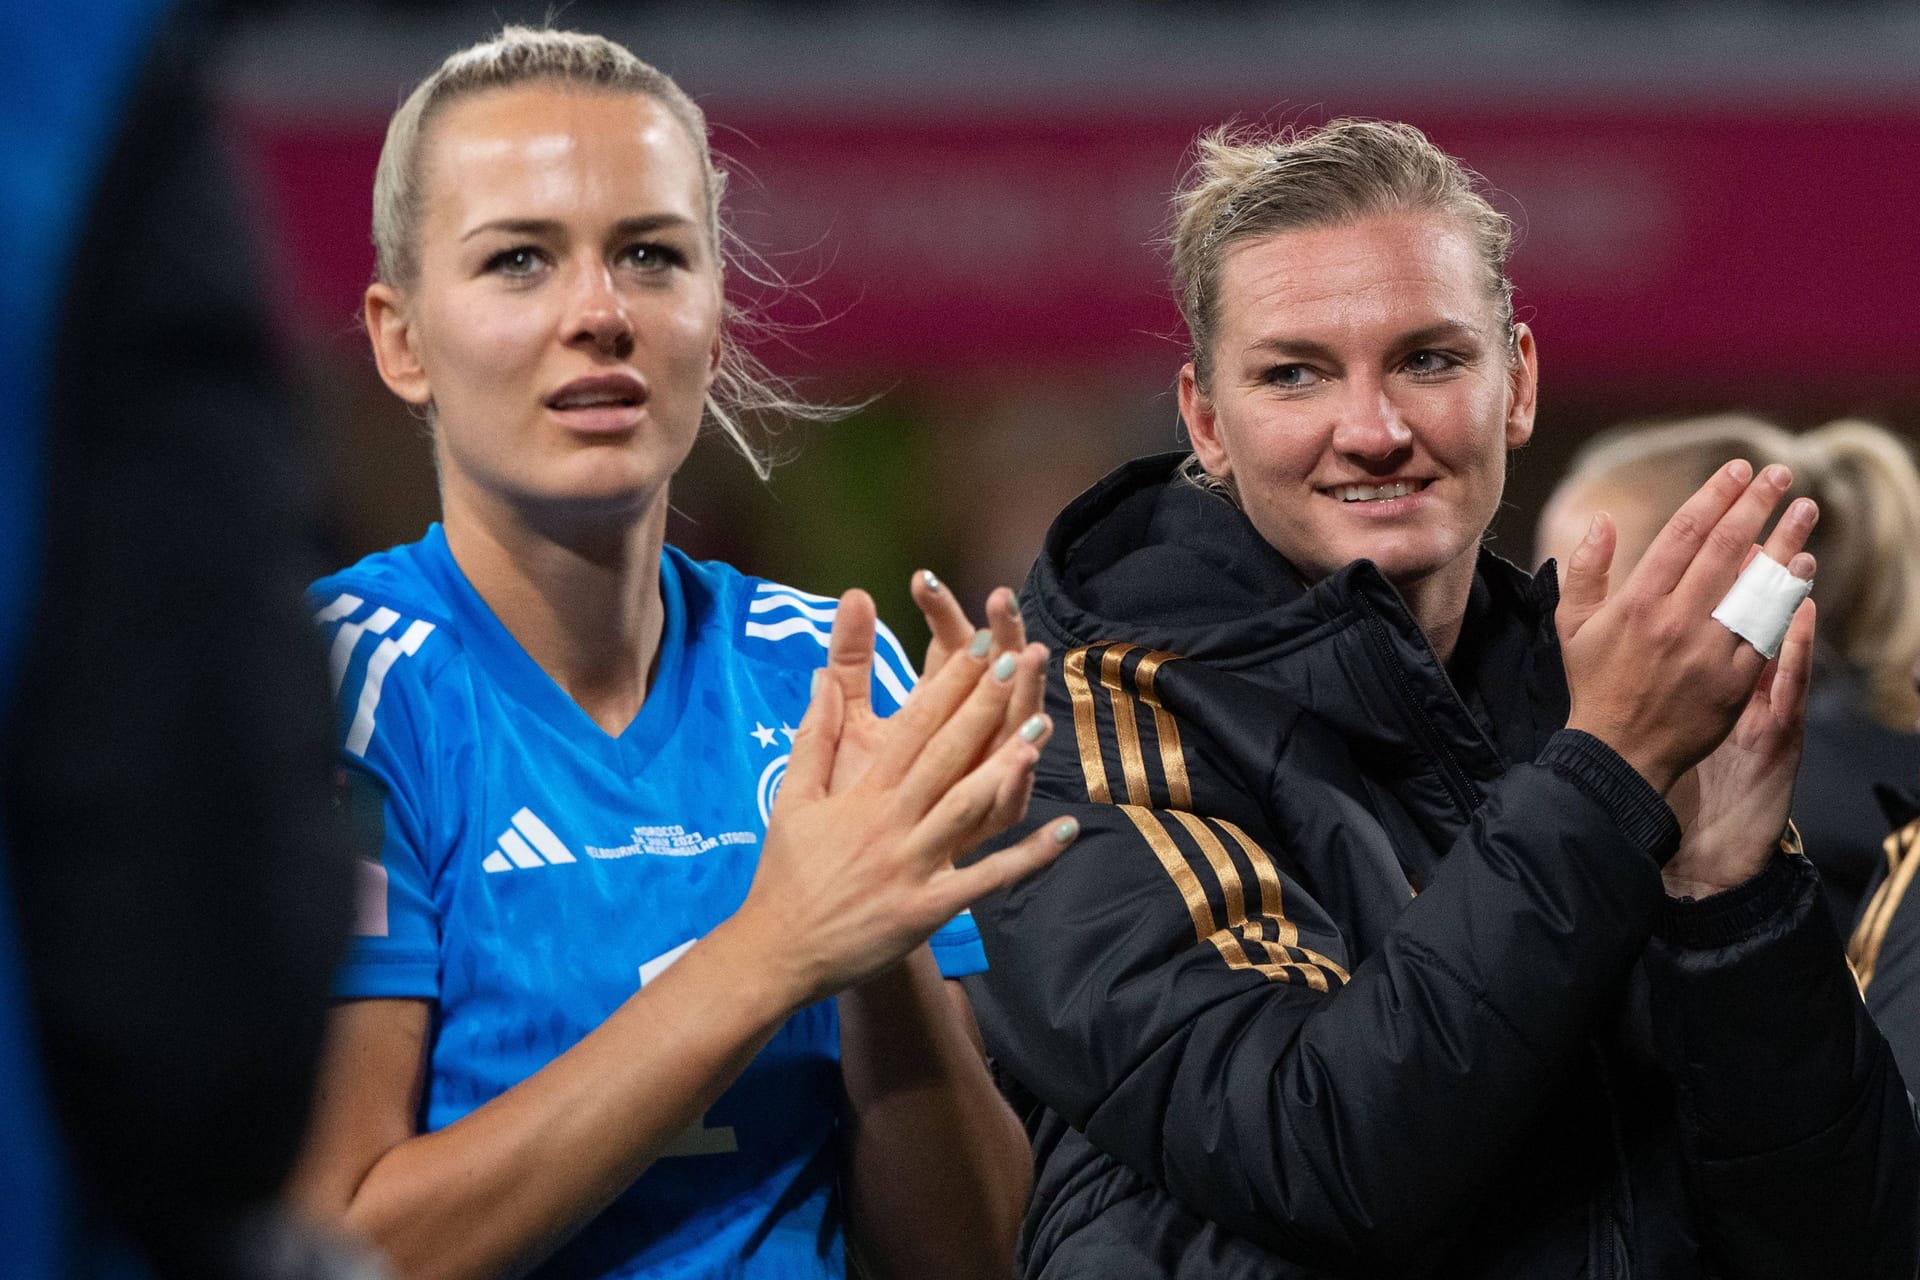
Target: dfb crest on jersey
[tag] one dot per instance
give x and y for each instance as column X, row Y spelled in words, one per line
column 770, row 779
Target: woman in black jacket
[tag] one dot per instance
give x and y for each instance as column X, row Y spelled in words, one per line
column 1426, row 920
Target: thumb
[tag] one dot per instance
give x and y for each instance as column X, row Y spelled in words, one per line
column 1583, row 589
column 816, row 742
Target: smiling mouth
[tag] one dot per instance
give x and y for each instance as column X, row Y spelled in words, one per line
column 1376, row 492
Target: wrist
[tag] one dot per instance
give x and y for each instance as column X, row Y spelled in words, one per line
column 764, row 991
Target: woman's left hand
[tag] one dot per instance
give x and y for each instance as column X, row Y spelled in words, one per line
column 1734, row 805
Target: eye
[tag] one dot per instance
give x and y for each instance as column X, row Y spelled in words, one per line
column 1430, row 363
column 650, row 256
column 519, row 261
column 1290, row 375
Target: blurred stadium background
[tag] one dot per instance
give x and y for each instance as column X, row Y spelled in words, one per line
column 1717, row 203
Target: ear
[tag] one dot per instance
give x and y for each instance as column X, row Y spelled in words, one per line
column 1203, row 428
column 394, row 352
column 1523, row 386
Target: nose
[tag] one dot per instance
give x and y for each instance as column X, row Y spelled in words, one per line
column 1370, row 427
column 599, row 318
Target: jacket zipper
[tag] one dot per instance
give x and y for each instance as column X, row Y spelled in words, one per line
column 1465, row 795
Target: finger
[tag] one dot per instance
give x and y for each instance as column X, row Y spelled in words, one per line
column 1680, row 539
column 815, row 743
column 1029, row 687
column 1003, row 619
column 1794, row 674
column 988, row 801
column 967, row 885
column 850, row 650
column 1016, row 785
column 946, row 620
column 1717, row 562
column 1583, row 589
column 1790, row 535
column 927, row 710
column 957, row 750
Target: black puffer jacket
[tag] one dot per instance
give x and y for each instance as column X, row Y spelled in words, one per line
column 1355, row 972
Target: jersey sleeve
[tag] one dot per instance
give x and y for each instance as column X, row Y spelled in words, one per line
column 956, row 947
column 378, row 658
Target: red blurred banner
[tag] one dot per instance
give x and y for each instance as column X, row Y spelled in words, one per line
column 1715, row 248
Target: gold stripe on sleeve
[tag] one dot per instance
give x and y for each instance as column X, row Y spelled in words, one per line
column 1254, row 943
column 1173, row 760
column 1863, row 949
column 1086, row 729
column 1223, row 869
column 1126, row 730
column 1175, row 865
column 1271, row 906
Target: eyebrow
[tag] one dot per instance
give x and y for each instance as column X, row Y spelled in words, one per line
column 1440, row 332
column 541, row 228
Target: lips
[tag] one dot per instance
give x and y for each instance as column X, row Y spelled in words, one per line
column 599, row 392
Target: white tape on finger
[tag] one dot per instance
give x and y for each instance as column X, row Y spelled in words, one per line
column 1762, row 603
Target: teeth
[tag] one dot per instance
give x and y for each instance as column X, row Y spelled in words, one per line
column 1373, row 492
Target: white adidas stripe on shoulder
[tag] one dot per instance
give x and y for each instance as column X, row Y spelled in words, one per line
column 778, row 612
column 346, row 642
column 781, row 589
column 772, row 600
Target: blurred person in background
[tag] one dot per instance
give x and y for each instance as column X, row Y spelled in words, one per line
column 1382, row 951
column 175, row 896
column 1885, row 947
column 614, row 1009
column 1862, row 709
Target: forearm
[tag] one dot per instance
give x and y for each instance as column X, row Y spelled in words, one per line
column 499, row 1190
column 938, row 1168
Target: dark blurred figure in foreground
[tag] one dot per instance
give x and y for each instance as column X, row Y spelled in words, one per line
column 176, row 899
column 1862, row 710
column 1885, row 949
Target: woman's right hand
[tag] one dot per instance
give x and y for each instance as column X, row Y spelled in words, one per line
column 1650, row 671
column 855, row 877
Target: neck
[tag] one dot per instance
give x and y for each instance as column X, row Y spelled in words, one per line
column 581, row 596
column 1438, row 603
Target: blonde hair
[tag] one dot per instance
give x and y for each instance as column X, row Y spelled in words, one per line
column 743, row 389
column 1867, row 541
column 1244, row 184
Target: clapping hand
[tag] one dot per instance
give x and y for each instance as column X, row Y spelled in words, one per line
column 1653, row 675
column 858, row 866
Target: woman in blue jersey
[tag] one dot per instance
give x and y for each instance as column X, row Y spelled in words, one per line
column 585, row 1029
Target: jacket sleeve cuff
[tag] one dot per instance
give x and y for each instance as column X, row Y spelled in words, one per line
column 1726, row 918
column 1617, row 787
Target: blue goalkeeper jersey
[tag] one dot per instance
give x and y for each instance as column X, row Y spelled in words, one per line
column 533, row 871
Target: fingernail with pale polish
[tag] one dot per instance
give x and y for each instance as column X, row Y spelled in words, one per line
column 982, row 641
column 1065, row 830
column 1033, row 728
column 928, row 581
column 819, row 678
column 1003, row 667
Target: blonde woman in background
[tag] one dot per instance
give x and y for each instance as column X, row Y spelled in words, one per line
column 1862, row 709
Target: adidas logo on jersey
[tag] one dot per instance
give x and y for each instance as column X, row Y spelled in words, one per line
column 528, row 843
